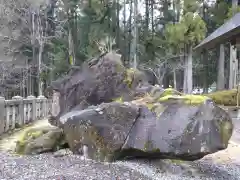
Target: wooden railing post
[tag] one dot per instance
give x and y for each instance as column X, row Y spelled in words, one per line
column 43, row 101
column 20, row 118
column 21, row 111
column 34, row 108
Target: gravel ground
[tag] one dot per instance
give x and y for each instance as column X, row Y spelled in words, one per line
column 224, row 165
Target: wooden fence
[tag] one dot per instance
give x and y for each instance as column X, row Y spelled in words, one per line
column 18, row 111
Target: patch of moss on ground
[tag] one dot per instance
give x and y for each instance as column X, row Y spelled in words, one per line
column 226, row 97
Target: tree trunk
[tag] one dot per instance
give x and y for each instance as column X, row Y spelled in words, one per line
column 130, row 33
column 205, row 71
column 185, row 77
column 118, row 26
column 34, row 61
column 72, row 44
column 70, row 47
column 135, row 38
column 125, row 55
column 174, row 78
column 221, row 62
column 189, row 70
column 40, row 83
column 146, row 21
column 153, row 30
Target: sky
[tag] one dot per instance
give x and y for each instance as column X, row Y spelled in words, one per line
column 141, row 8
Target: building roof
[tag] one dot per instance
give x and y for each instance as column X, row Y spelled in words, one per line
column 228, row 31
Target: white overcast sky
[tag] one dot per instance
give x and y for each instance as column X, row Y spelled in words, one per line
column 141, row 8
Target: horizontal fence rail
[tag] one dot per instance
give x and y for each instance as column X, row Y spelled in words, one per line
column 20, row 111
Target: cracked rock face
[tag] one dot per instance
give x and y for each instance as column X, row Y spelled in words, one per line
column 103, row 129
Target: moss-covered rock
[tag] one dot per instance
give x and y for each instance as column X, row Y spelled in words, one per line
column 226, row 97
column 133, row 77
column 97, row 81
column 171, row 91
column 224, row 128
column 159, row 105
column 178, row 127
column 103, row 129
column 185, row 99
column 119, row 100
column 38, row 140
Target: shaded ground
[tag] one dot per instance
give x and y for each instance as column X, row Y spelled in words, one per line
column 222, row 165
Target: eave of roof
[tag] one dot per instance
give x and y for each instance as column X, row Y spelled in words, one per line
column 226, row 32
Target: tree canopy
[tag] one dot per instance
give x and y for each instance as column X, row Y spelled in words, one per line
column 63, row 33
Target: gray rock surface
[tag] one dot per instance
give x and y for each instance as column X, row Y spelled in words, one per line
column 99, row 80
column 116, row 131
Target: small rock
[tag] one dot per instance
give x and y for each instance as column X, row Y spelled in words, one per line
column 62, row 152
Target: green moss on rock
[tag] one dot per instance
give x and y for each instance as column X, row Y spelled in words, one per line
column 170, row 91
column 25, row 137
column 38, row 140
column 226, row 97
column 133, row 77
column 186, row 99
column 119, row 100
column 225, row 128
column 177, row 161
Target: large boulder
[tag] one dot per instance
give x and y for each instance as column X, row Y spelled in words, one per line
column 89, row 105
column 103, row 129
column 177, row 128
column 184, row 127
column 100, row 80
